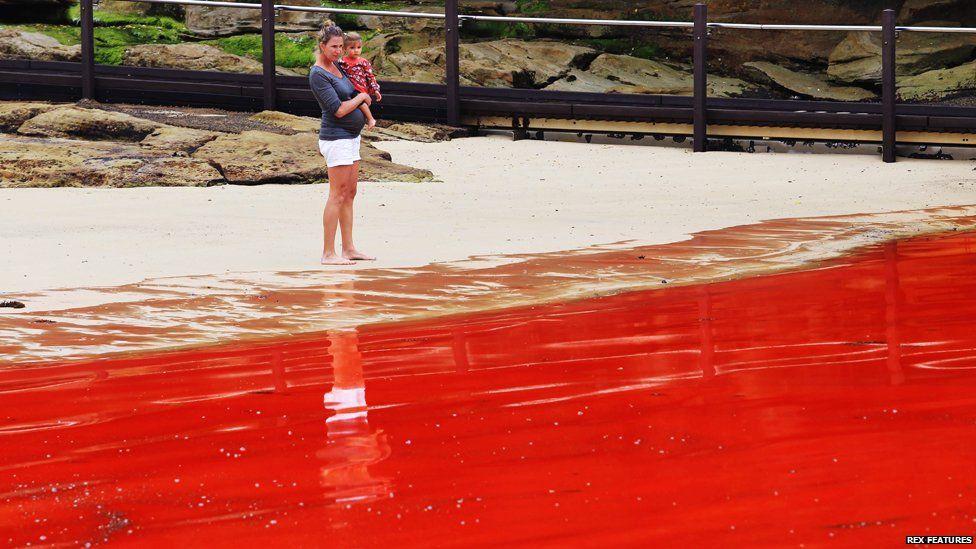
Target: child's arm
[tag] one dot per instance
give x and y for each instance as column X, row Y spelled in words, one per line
column 374, row 86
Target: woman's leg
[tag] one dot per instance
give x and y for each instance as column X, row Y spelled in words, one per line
column 349, row 250
column 340, row 180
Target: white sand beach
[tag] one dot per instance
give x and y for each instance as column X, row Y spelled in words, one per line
column 495, row 196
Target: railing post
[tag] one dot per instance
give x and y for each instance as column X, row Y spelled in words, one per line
column 268, row 54
column 889, row 41
column 700, row 88
column 452, row 52
column 87, row 49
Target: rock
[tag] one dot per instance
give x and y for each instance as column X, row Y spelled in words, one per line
column 90, row 124
column 15, row 113
column 938, row 84
column 378, row 165
column 124, row 7
column 425, row 65
column 288, row 121
column 193, row 56
column 625, row 74
column 254, row 157
column 176, row 172
column 913, row 12
column 62, row 145
column 176, row 140
column 298, row 20
column 489, row 7
column 17, row 44
column 54, row 162
column 139, row 8
column 207, row 21
column 582, row 81
column 378, row 49
column 424, row 133
column 502, row 63
column 579, row 31
column 807, row 84
column 520, row 64
column 922, row 52
column 660, row 77
column 857, row 59
column 405, row 25
column 912, row 8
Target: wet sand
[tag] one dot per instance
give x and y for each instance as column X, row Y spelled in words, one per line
column 186, row 311
column 833, row 405
column 497, row 197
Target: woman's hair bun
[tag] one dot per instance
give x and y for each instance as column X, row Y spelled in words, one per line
column 328, row 32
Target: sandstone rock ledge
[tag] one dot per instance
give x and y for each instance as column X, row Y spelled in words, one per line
column 57, row 145
column 17, row 44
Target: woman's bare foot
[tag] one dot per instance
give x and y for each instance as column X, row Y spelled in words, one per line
column 333, row 259
column 371, row 123
column 356, row 255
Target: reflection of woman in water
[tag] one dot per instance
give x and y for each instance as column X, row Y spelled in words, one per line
column 352, row 445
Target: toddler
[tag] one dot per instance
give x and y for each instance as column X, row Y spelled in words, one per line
column 360, row 72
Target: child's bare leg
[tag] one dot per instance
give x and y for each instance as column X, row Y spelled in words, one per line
column 370, row 121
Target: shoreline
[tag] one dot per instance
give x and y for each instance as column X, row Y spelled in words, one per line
column 508, row 224
column 194, row 311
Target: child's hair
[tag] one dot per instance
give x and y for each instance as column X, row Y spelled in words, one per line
column 351, row 37
column 329, row 32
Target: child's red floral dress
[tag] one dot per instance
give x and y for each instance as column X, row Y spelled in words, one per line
column 360, row 72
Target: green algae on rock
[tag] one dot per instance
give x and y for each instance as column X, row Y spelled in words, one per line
column 938, row 84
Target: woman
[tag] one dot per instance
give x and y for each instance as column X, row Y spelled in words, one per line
column 339, row 141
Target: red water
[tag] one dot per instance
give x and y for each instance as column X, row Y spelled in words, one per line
column 833, row 406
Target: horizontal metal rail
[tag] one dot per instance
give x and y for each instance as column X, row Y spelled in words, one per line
column 844, row 28
column 778, row 27
column 712, row 25
column 601, row 22
column 963, row 30
column 560, row 21
column 381, row 13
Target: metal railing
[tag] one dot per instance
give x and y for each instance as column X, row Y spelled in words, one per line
column 453, row 20
column 561, row 21
column 386, row 13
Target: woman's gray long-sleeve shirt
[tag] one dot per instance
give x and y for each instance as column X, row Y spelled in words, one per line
column 330, row 91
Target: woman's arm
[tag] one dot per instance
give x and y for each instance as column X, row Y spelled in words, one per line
column 329, row 99
column 346, row 107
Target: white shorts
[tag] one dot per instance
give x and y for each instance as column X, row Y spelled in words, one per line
column 340, row 152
